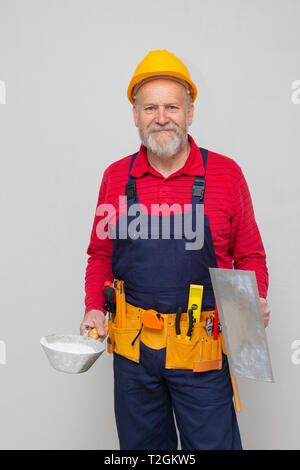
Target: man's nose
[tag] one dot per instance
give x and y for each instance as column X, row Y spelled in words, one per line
column 161, row 116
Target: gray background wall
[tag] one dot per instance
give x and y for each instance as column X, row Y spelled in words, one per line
column 66, row 66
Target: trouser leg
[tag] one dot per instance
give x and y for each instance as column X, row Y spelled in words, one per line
column 143, row 407
column 204, row 408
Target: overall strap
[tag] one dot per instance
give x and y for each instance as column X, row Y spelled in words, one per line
column 130, row 189
column 204, row 153
column 199, row 181
column 198, row 185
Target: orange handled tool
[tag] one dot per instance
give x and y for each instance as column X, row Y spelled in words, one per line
column 120, row 319
column 152, row 319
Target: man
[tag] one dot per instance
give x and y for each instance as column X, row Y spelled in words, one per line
column 170, row 366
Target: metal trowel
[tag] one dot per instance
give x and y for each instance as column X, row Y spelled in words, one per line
column 239, row 308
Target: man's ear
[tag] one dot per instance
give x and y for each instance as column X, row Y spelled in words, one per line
column 191, row 114
column 135, row 116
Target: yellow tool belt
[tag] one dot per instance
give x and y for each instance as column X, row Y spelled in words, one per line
column 201, row 353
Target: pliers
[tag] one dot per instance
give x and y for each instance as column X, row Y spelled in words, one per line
column 191, row 323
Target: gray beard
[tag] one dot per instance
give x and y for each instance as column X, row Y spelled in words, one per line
column 177, row 142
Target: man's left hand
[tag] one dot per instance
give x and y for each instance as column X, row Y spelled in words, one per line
column 265, row 311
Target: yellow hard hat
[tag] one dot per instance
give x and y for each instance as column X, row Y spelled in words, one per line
column 161, row 63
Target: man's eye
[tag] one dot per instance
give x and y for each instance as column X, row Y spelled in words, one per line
column 149, row 108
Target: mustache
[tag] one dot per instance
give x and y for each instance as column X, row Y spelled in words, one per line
column 168, row 127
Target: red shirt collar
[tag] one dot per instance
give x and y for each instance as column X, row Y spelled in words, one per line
column 192, row 166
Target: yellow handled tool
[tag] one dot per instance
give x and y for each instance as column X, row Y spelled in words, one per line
column 93, row 333
column 123, row 304
column 195, row 301
column 120, row 319
column 118, row 306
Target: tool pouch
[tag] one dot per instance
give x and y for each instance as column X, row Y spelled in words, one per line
column 200, row 354
column 125, row 341
column 210, row 355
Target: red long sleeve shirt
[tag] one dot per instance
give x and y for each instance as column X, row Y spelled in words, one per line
column 228, row 204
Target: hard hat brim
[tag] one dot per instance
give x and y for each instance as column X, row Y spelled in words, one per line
column 138, row 78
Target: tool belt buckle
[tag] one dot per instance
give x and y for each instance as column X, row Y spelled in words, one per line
column 152, row 319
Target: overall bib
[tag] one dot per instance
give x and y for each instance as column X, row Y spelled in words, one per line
column 157, row 273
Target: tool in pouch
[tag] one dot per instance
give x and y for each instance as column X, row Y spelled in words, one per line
column 150, row 319
column 193, row 312
column 120, row 315
column 210, row 354
column 110, row 304
column 110, row 307
column 195, row 300
column 212, row 325
column 123, row 327
column 188, row 341
column 190, row 320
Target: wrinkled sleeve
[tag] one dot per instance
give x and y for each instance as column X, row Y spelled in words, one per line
column 99, row 252
column 246, row 245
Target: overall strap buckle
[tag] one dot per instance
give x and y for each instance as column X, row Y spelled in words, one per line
column 130, row 190
column 198, row 188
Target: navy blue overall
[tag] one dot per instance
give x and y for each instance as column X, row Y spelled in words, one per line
column 157, row 274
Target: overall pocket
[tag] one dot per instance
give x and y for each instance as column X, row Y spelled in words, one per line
column 200, row 354
column 181, row 354
column 210, row 357
column 123, row 338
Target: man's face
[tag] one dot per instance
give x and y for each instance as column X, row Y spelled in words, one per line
column 162, row 116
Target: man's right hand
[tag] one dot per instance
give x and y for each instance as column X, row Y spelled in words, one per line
column 95, row 319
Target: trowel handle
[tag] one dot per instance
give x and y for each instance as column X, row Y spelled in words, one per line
column 91, row 333
column 236, row 395
column 94, row 333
